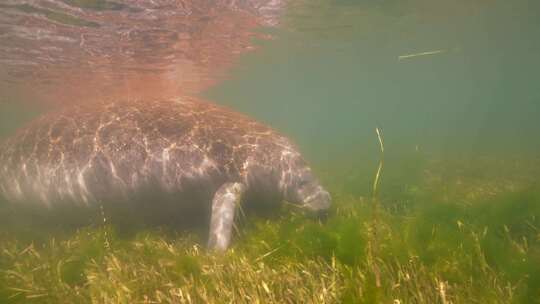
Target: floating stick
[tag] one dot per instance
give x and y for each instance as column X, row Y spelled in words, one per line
column 408, row 56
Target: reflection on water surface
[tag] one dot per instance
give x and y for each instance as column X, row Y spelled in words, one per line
column 64, row 50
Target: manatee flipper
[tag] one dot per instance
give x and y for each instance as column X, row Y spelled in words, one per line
column 224, row 206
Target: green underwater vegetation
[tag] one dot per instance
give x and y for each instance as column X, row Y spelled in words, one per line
column 454, row 77
column 445, row 231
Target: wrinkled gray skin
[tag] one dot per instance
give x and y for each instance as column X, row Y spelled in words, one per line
column 114, row 151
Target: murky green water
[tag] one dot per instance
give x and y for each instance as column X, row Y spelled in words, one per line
column 334, row 73
column 453, row 86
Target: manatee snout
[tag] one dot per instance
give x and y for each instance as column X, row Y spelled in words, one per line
column 305, row 189
column 318, row 201
column 312, row 196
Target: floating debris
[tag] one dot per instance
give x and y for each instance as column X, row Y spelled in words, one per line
column 408, row 56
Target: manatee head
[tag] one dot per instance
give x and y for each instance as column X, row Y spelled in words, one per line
column 301, row 187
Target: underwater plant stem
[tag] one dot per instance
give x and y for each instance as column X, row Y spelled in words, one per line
column 373, row 242
column 379, row 136
column 379, row 169
column 376, row 181
column 442, row 291
column 107, row 244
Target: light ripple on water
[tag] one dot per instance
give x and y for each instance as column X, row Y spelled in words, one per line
column 66, row 43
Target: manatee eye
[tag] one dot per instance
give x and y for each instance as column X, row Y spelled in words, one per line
column 304, row 180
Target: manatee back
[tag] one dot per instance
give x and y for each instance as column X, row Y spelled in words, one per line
column 114, row 150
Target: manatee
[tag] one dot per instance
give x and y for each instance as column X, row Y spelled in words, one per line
column 193, row 151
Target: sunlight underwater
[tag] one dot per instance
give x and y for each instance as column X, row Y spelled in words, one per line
column 451, row 216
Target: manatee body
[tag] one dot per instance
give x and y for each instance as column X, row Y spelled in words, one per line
column 187, row 149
